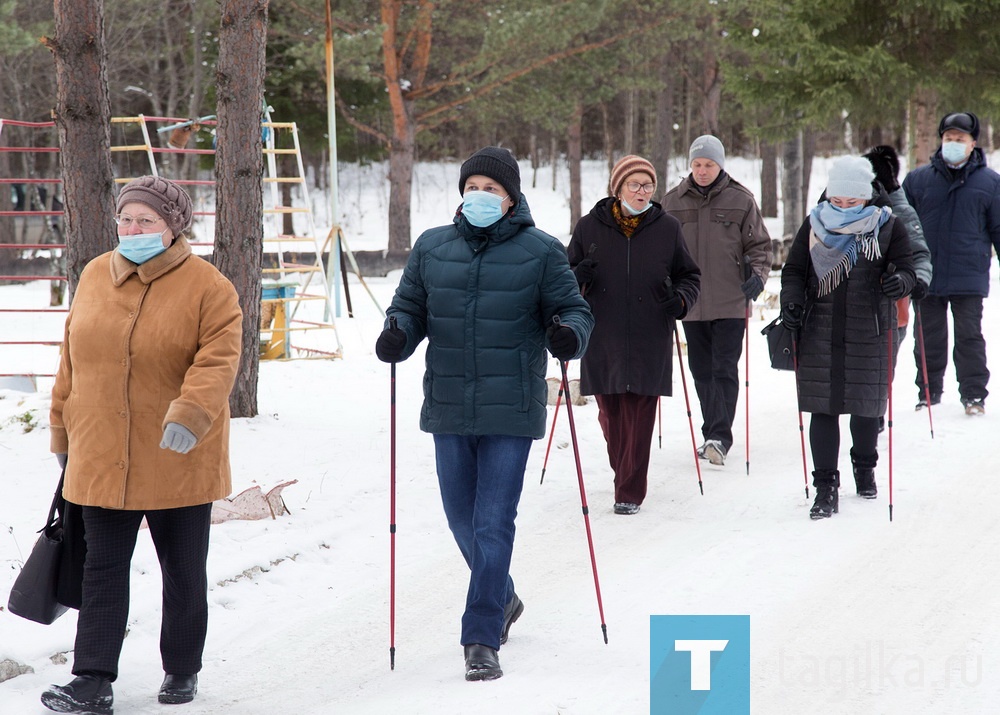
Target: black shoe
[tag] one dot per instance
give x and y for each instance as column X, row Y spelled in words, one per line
column 922, row 400
column 864, row 475
column 827, row 501
column 511, row 612
column 481, row 663
column 178, row 689
column 84, row 695
column 975, row 407
column 626, row 508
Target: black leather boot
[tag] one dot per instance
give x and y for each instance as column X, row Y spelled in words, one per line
column 864, row 474
column 481, row 663
column 85, row 694
column 511, row 612
column 827, row 503
column 178, row 689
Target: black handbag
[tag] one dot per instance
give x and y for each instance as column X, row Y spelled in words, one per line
column 780, row 344
column 51, row 579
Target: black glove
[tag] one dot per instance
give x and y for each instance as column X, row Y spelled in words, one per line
column 752, row 287
column 390, row 344
column 896, row 285
column 562, row 342
column 674, row 304
column 791, row 316
column 919, row 291
column 585, row 270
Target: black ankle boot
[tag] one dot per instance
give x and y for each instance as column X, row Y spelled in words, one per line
column 84, row 694
column 827, row 503
column 864, row 474
column 178, row 689
column 481, row 663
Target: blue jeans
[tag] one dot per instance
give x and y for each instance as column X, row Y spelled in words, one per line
column 481, row 479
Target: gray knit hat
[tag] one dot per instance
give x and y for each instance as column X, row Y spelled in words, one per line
column 850, row 177
column 707, row 147
column 165, row 197
column 496, row 163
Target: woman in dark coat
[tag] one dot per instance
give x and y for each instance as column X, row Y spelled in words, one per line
column 632, row 264
column 849, row 263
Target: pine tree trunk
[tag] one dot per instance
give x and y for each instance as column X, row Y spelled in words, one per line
column 791, row 186
column 401, row 155
column 83, row 118
column 769, row 180
column 574, row 155
column 663, row 147
column 239, row 169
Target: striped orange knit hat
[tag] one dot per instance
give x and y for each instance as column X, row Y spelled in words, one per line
column 625, row 167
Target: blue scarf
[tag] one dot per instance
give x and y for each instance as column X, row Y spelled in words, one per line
column 837, row 237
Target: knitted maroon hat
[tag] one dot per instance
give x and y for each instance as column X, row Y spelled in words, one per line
column 165, row 197
column 625, row 167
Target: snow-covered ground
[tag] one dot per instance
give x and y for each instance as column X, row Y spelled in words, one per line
column 852, row 615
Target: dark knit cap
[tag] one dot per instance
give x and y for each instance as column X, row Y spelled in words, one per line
column 624, row 168
column 962, row 121
column 885, row 162
column 496, row 163
column 165, row 197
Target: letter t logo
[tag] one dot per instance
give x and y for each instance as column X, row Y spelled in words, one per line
column 701, row 660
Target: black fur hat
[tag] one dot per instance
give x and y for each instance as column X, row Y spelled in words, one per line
column 885, row 162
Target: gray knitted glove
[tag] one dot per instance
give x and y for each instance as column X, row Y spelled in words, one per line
column 178, row 438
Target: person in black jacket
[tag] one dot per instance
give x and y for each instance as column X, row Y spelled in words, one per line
column 848, row 265
column 631, row 261
column 958, row 200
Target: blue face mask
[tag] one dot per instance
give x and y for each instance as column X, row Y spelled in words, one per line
column 632, row 211
column 141, row 247
column 481, row 208
column 953, row 152
column 850, row 210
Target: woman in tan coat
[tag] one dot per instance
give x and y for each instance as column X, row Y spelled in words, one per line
column 140, row 422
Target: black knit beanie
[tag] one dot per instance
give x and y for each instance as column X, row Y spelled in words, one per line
column 885, row 162
column 496, row 163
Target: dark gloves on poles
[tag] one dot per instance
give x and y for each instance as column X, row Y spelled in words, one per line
column 752, row 287
column 896, row 285
column 585, row 270
column 562, row 342
column 919, row 291
column 674, row 304
column 390, row 344
column 791, row 316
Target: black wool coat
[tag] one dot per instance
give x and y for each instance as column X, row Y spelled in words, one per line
column 631, row 347
column 843, row 345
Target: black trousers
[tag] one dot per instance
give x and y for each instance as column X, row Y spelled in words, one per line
column 181, row 540
column 970, row 346
column 824, row 439
column 714, row 350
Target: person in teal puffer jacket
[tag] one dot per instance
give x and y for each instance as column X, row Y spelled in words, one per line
column 489, row 292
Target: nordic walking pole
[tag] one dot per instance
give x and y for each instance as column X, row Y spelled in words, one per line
column 923, row 361
column 545, row 462
column 747, row 272
column 687, row 404
column 552, row 431
column 583, row 493
column 659, row 419
column 392, row 508
column 892, row 333
column 798, row 404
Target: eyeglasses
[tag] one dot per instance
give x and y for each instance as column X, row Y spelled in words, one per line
column 636, row 187
column 142, row 222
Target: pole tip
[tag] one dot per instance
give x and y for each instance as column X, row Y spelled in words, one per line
column 604, row 630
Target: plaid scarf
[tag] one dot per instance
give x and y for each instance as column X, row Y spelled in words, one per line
column 626, row 222
column 836, row 239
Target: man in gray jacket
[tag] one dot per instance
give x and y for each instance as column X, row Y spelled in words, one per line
column 725, row 234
